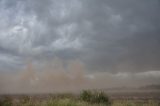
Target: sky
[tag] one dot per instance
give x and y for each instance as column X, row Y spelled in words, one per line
column 100, row 43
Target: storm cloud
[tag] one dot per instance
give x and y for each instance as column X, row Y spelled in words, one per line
column 118, row 36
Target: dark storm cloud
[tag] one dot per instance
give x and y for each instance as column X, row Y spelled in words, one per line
column 125, row 36
column 113, row 36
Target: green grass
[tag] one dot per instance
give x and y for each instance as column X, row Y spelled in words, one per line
column 71, row 102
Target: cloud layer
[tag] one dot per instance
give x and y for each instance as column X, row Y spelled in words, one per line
column 118, row 36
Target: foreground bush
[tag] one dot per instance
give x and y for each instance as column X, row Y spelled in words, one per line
column 94, row 97
column 86, row 95
column 6, row 101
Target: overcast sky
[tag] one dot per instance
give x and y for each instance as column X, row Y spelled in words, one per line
column 115, row 37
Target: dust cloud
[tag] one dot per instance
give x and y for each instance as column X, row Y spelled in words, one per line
column 53, row 77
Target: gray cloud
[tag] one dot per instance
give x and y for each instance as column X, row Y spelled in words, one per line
column 112, row 36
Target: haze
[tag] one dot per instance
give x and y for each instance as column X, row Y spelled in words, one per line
column 62, row 45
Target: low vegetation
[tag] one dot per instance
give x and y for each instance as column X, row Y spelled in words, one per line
column 95, row 97
column 85, row 98
column 6, row 101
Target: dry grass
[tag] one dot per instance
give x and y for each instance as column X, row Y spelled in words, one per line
column 86, row 98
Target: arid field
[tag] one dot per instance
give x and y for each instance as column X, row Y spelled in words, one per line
column 84, row 98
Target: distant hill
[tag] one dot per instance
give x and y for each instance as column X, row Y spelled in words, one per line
column 153, row 86
column 145, row 87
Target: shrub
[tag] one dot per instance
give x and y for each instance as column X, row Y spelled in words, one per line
column 6, row 101
column 95, row 97
column 100, row 97
column 86, row 95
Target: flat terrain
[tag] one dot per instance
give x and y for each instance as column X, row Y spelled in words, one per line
column 134, row 94
column 117, row 98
